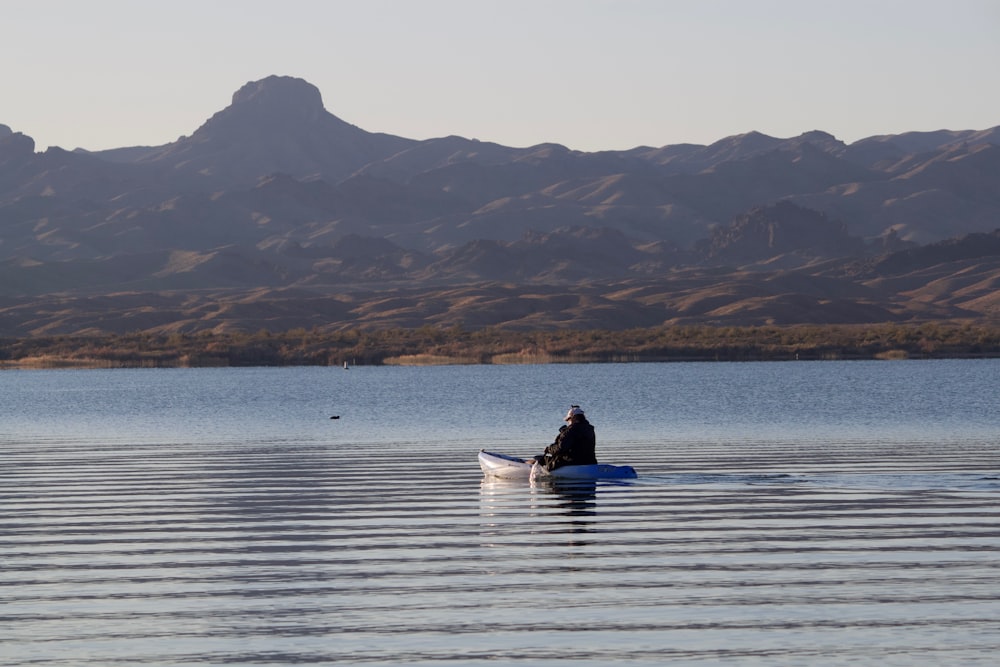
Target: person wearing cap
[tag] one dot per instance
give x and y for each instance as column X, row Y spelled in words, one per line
column 575, row 445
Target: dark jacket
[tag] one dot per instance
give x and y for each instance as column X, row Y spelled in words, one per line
column 574, row 446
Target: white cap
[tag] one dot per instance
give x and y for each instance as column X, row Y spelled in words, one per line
column 573, row 411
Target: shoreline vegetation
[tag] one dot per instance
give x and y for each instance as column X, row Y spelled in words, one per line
column 427, row 346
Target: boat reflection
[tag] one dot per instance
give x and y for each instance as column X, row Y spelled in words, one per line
column 575, row 496
column 511, row 506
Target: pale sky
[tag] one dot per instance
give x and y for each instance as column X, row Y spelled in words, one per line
column 588, row 74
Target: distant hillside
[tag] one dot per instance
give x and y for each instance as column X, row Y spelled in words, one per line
column 275, row 213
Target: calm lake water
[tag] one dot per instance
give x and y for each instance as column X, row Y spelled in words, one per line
column 827, row 513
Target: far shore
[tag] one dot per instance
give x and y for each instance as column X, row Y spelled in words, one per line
column 429, row 346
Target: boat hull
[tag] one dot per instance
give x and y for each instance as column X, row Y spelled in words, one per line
column 511, row 467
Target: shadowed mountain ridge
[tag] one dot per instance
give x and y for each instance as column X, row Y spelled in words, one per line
column 274, row 198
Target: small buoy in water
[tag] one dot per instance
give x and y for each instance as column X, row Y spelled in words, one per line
column 335, row 417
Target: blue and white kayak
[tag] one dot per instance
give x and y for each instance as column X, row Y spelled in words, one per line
column 512, row 467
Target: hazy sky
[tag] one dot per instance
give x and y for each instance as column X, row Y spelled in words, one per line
column 589, row 74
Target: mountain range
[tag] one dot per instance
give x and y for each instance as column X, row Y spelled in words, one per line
column 276, row 214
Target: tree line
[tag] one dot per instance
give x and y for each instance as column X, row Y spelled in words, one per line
column 433, row 345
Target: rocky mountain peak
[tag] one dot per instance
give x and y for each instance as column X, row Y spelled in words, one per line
column 275, row 103
column 819, row 139
column 279, row 97
column 275, row 124
column 14, row 145
column 779, row 228
column 818, row 136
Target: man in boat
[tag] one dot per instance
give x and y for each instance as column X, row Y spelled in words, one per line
column 574, row 446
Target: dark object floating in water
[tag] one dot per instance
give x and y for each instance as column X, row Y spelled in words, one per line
column 335, row 417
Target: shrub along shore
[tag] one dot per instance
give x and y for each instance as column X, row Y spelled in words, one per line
column 433, row 346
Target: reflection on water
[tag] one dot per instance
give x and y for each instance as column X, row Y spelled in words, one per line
column 576, row 498
column 563, row 505
column 309, row 547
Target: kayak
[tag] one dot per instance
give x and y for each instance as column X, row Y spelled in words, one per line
column 512, row 467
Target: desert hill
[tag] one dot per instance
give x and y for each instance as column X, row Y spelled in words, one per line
column 276, row 214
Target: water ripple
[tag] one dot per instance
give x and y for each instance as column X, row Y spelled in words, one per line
column 284, row 552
